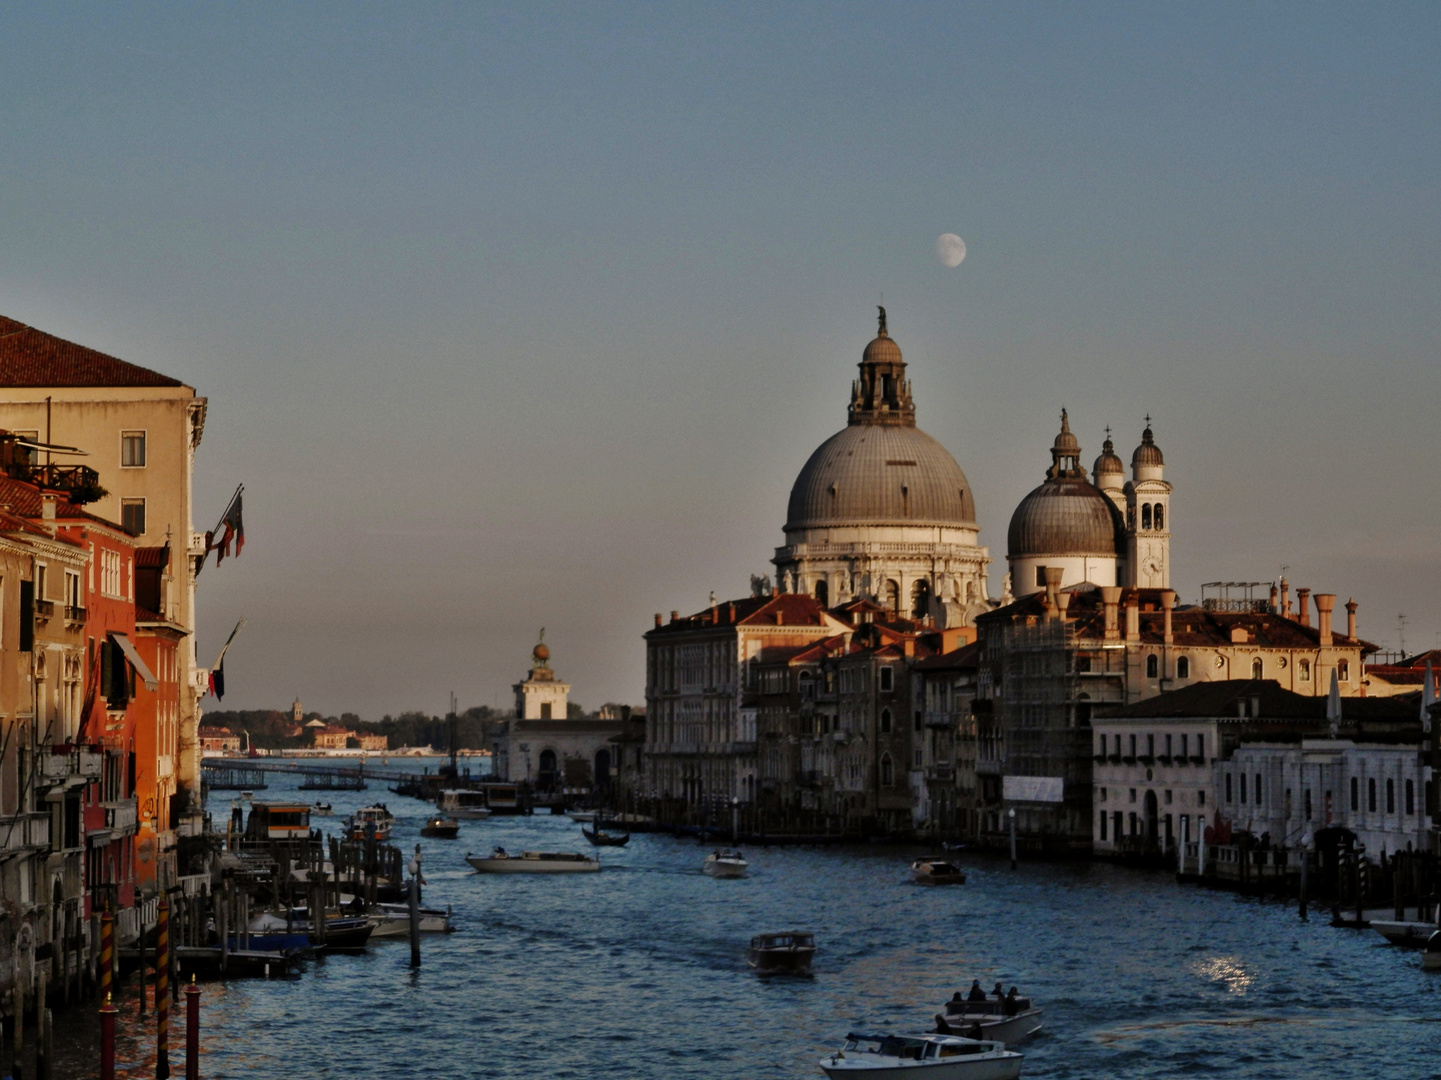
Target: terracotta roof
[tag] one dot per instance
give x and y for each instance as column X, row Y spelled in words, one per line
column 1222, row 698
column 966, row 658
column 795, row 609
column 153, row 558
column 30, row 357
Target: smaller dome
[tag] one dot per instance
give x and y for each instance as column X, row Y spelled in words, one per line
column 882, row 350
column 1109, row 463
column 1065, row 517
column 1148, row 453
column 1065, row 441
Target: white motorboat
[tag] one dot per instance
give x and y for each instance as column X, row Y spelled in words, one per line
column 933, row 1057
column 1431, row 958
column 359, row 824
column 584, row 817
column 991, row 1018
column 1407, row 934
column 321, row 809
column 393, row 920
column 937, row 872
column 462, row 803
column 533, row 862
column 725, row 864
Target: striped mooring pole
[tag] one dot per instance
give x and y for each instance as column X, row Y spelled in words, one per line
column 107, row 1040
column 162, row 989
column 192, row 1031
column 107, row 952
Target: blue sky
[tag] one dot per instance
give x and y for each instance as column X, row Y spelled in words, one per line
column 529, row 315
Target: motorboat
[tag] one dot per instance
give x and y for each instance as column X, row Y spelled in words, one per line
column 359, row 824
column 991, row 1018
column 1407, row 934
column 934, row 1057
column 600, row 838
column 322, row 809
column 583, row 817
column 442, row 828
column 937, row 872
column 788, row 953
column 270, row 932
column 343, row 933
column 500, row 861
column 725, row 863
column 393, row 920
column 463, row 803
column 1431, row 957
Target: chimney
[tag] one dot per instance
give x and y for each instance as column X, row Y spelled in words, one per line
column 1168, row 601
column 1133, row 616
column 675, row 616
column 780, row 617
column 1325, row 602
column 1063, row 601
column 775, row 590
column 1275, row 592
column 731, row 612
column 1303, row 606
column 47, row 507
column 1111, row 598
column 1285, row 598
column 657, row 619
column 910, row 646
column 1351, row 606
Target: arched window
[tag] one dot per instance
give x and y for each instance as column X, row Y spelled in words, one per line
column 1146, row 516
column 1183, row 668
column 1153, row 666
column 1258, row 789
column 546, row 779
column 1390, row 795
column 1160, row 517
column 893, row 596
column 920, row 599
column 1258, row 670
column 888, row 771
column 823, row 592
column 1304, row 670
column 885, row 720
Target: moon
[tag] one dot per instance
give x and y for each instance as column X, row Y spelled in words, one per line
column 950, row 249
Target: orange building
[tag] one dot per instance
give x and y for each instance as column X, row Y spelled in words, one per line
column 159, row 639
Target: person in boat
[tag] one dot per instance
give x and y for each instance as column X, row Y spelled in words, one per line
column 1012, row 1005
column 942, row 1028
column 499, row 853
column 999, row 993
column 976, row 994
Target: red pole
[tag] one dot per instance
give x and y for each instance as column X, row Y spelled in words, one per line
column 107, row 952
column 162, row 989
column 192, row 1031
column 107, row 1040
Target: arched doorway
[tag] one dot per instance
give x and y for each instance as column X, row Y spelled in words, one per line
column 602, row 769
column 920, row 599
column 1152, row 837
column 823, row 592
column 546, row 778
column 892, row 596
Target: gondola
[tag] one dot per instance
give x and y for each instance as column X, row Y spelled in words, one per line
column 600, row 838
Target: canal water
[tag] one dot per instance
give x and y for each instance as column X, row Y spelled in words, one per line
column 639, row 971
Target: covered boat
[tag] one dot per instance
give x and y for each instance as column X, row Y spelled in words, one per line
column 788, row 953
column 443, row 828
column 937, row 872
column 725, row 863
column 463, row 803
column 922, row 1057
column 358, row 825
column 1007, row 1021
column 533, row 862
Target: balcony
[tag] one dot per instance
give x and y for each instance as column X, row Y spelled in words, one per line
column 65, row 764
column 44, row 609
column 121, row 816
column 941, row 773
column 24, row 831
column 74, row 615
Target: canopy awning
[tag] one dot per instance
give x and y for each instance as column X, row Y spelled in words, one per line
column 141, row 669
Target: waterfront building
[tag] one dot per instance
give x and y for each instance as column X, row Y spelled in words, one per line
column 140, row 430
column 944, row 773
column 1404, row 675
column 217, row 740
column 331, row 737
column 160, row 641
column 373, row 744
column 545, row 747
column 881, row 510
column 1051, row 658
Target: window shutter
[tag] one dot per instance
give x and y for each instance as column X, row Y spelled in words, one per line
column 27, row 616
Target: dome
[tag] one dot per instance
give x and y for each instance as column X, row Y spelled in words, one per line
column 541, row 652
column 868, row 474
column 882, row 350
column 1109, row 463
column 1148, row 453
column 1066, row 516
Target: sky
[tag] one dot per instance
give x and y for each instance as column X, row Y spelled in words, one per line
column 523, row 316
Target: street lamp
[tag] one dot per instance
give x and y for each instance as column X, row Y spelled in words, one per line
column 1011, row 813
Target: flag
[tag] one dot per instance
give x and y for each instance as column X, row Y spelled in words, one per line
column 217, row 672
column 234, row 530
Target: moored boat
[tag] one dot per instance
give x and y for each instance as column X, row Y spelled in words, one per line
column 600, row 838
column 1431, row 957
column 322, row 809
column 463, row 803
column 725, row 863
column 1007, row 1021
column 1407, row 934
column 932, row 1057
column 442, row 828
column 359, row 824
column 533, row 862
column 937, row 872
column 393, row 920
column 788, row 953
column 583, row 817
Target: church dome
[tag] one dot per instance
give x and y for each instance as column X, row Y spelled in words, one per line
column 1065, row 516
column 1148, row 453
column 882, row 350
column 1109, row 463
column 871, row 474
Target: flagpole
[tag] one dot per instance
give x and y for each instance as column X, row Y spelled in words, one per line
column 239, row 488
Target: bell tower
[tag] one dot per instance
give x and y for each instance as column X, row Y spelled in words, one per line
column 882, row 394
column 1148, row 517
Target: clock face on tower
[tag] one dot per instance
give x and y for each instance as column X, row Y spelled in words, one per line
column 1152, row 566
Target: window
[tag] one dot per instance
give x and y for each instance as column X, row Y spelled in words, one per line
column 545, row 710
column 1257, row 669
column 1040, row 577
column 1183, row 668
column 888, row 771
column 1184, row 739
column 1146, row 516
column 132, row 516
column 40, row 582
column 1355, row 794
column 72, row 589
column 1257, row 789
column 1133, row 794
column 1228, row 787
column 1343, row 671
column 1168, row 745
column 1390, row 796
column 1168, row 796
column 1242, row 787
column 1150, row 746
column 885, row 720
column 1133, row 746
column 887, row 680
column 1103, row 795
column 1103, row 825
column 132, row 449
column 1201, row 798
column 1160, row 517
column 1306, row 799
column 1370, row 795
column 1410, row 797
column 1153, row 666
column 1303, row 670
column 1200, row 746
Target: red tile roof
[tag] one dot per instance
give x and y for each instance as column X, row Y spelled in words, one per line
column 26, row 500
column 30, row 357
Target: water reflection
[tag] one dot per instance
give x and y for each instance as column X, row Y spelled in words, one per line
column 1228, row 971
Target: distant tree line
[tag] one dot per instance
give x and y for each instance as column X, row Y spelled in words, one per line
column 272, row 729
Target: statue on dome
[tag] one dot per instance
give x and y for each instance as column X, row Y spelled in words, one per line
column 882, row 320
column 789, row 582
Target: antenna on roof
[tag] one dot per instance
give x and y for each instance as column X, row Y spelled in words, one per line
column 1401, row 625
